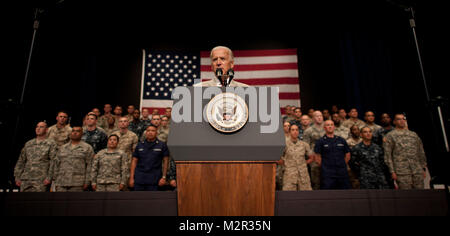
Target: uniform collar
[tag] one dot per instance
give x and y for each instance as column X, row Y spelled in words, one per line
column 152, row 142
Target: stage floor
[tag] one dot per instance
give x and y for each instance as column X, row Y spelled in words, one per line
column 308, row 203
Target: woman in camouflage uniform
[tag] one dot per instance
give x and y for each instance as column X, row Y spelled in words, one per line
column 295, row 176
column 110, row 168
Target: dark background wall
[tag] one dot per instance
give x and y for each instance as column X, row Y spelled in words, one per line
column 354, row 54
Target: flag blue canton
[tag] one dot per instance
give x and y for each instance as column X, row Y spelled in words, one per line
column 165, row 71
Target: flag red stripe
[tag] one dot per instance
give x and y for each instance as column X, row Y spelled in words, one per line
column 289, row 95
column 256, row 82
column 257, row 53
column 161, row 110
column 281, row 66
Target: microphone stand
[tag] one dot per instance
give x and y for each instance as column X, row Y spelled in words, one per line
column 434, row 102
column 20, row 111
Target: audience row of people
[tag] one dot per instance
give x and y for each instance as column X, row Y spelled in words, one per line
column 122, row 153
column 341, row 153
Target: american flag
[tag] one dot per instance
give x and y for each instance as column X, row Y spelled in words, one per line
column 163, row 71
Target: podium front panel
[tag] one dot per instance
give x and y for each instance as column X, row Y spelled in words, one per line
column 199, row 141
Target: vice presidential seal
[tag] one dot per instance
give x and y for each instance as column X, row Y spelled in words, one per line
column 227, row 112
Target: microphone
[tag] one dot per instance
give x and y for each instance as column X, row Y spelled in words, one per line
column 230, row 74
column 219, row 75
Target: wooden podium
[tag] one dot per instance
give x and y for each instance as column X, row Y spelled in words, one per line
column 226, row 174
column 228, row 188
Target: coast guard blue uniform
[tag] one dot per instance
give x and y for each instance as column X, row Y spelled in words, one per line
column 334, row 173
column 149, row 167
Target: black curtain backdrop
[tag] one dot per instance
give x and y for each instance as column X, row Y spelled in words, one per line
column 354, row 54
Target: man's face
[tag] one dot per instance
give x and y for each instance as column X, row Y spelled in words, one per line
column 156, row 120
column 306, row 121
column 130, row 109
column 112, row 142
column 353, row 113
column 107, row 108
column 334, row 109
column 298, row 113
column 366, row 133
column 123, row 123
column 318, row 118
column 96, row 111
column 164, row 121
column 400, row 121
column 355, row 131
column 293, row 131
column 136, row 114
column 370, row 117
column 145, row 113
column 76, row 134
column 91, row 120
column 168, row 112
column 220, row 58
column 329, row 127
column 118, row 111
column 151, row 133
column 342, row 114
column 288, row 110
column 336, row 119
column 62, row 118
column 41, row 129
column 311, row 113
column 385, row 119
column 286, row 126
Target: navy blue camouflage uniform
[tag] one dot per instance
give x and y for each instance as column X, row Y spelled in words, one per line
column 96, row 138
column 138, row 127
column 368, row 161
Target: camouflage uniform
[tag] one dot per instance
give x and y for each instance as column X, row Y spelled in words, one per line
column 137, row 127
column 295, row 176
column 311, row 135
column 147, row 123
column 374, row 127
column 61, row 136
column 349, row 123
column 72, row 167
column 96, row 138
column 288, row 119
column 404, row 155
column 368, row 161
column 130, row 117
column 352, row 174
column 172, row 171
column 342, row 132
column 110, row 131
column 163, row 134
column 353, row 142
column 35, row 165
column 103, row 121
column 109, row 170
column 379, row 135
column 127, row 144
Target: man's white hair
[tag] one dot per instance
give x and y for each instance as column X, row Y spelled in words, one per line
column 223, row 47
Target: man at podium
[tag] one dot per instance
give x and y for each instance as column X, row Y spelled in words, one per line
column 222, row 64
